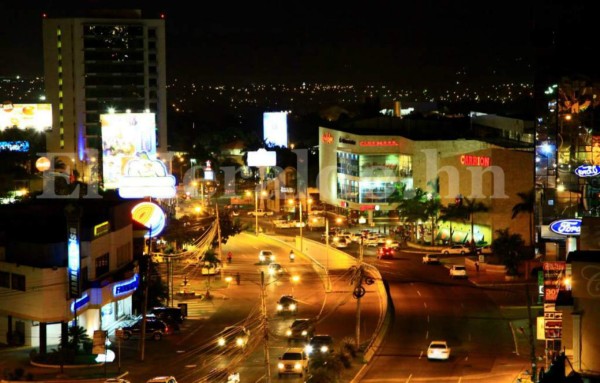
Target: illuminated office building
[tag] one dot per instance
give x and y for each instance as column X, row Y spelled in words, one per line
column 95, row 63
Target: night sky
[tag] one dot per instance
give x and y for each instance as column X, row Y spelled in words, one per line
column 418, row 43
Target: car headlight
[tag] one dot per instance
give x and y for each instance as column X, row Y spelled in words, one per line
column 280, row 366
column 297, row 366
column 308, row 349
column 279, row 307
column 292, row 307
column 304, row 333
column 288, row 332
column 271, row 271
column 221, row 342
column 239, row 341
column 272, row 257
column 324, row 348
column 261, row 258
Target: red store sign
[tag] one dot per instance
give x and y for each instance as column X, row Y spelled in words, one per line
column 468, row 160
column 379, row 143
column 327, row 138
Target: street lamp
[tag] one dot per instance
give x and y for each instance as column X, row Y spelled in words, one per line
column 262, row 193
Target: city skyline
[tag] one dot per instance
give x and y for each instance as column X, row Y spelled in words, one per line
column 432, row 44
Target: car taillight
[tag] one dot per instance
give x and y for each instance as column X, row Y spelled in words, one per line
column 167, row 329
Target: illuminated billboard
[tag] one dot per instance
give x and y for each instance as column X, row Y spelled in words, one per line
column 26, row 116
column 275, row 129
column 262, row 157
column 125, row 137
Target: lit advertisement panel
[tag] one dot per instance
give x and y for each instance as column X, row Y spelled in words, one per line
column 26, row 116
column 150, row 215
column 126, row 137
column 261, row 158
column 275, row 129
column 14, row 146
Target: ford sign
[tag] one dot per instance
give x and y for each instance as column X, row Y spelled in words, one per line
column 588, row 170
column 566, row 226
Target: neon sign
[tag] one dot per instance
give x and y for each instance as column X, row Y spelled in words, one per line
column 73, row 262
column 150, row 215
column 566, row 226
column 468, row 160
column 126, row 287
column 588, row 170
column 379, row 143
column 80, row 303
column 327, row 138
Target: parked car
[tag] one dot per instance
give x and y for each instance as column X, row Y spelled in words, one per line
column 319, row 343
column 385, row 253
column 456, row 249
column 162, row 379
column 155, row 329
column 340, row 242
column 431, row 259
column 233, row 337
column 484, row 250
column 287, row 304
column 266, row 256
column 300, row 329
column 173, row 316
column 438, row 349
column 392, row 243
column 260, row 213
column 293, row 361
column 458, row 271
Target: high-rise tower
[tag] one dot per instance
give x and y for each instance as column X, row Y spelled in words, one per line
column 100, row 61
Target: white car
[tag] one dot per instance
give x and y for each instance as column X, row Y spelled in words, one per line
column 458, row 271
column 431, row 259
column 392, row 243
column 260, row 213
column 340, row 242
column 266, row 256
column 456, row 249
column 162, row 379
column 275, row 269
column 438, row 349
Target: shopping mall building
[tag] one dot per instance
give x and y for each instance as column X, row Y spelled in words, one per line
column 361, row 169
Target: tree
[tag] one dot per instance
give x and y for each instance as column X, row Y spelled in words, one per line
column 508, row 246
column 76, row 336
column 526, row 206
column 432, row 208
column 452, row 213
column 412, row 207
column 472, row 207
column 211, row 261
column 228, row 227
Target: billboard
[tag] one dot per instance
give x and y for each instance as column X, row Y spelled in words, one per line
column 126, row 137
column 275, row 129
column 26, row 116
column 262, row 157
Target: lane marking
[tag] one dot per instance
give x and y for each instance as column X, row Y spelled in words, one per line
column 409, row 377
column 427, row 335
column 427, row 318
column 421, row 354
column 459, row 379
column 418, row 292
column 425, row 304
column 191, row 365
column 466, row 358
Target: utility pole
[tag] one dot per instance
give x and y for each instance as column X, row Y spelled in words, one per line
column 300, row 203
column 265, row 326
column 328, row 283
column 145, row 304
column 219, row 239
column 531, row 339
column 256, row 211
column 358, row 285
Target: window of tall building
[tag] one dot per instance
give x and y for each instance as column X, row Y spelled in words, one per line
column 17, row 282
column 347, row 190
column 5, row 279
column 102, row 265
column 347, row 163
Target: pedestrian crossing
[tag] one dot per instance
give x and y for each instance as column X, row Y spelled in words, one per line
column 199, row 308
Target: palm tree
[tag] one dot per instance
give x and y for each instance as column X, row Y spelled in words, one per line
column 451, row 213
column 508, row 246
column 413, row 208
column 211, row 261
column 526, row 206
column 472, row 206
column 432, row 209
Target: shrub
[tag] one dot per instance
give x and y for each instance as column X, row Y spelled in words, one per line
column 349, row 346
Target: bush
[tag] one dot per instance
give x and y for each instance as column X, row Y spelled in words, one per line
column 349, row 346
column 346, row 359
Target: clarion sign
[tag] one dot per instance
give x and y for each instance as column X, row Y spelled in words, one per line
column 587, row 170
column 566, row 226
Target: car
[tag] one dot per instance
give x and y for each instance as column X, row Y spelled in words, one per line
column 155, row 328
column 385, row 252
column 283, row 224
column 287, row 304
column 456, row 249
column 340, row 242
column 266, row 256
column 431, row 259
column 300, row 329
column 116, row 380
column 484, row 250
column 392, row 243
column 319, row 343
column 293, row 361
column 162, row 379
column 210, row 269
column 371, row 241
column 173, row 316
column 438, row 349
column 275, row 269
column 233, row 338
column 458, row 271
column 260, row 213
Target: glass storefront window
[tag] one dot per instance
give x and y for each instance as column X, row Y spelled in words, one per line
column 347, row 163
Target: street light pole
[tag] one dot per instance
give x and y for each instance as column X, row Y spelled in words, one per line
column 327, row 254
column 256, row 212
column 300, row 203
column 265, row 326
